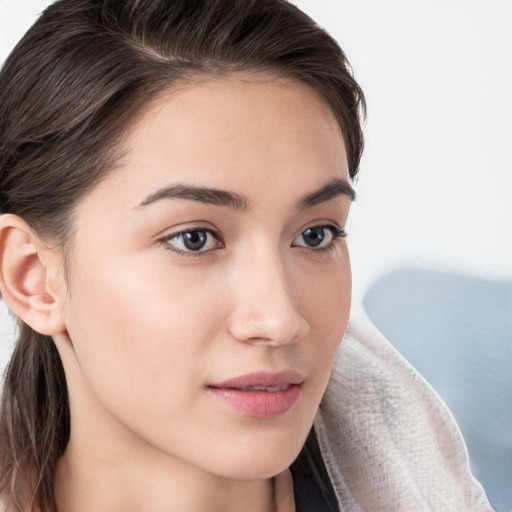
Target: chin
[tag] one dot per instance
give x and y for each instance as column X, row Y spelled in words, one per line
column 260, row 449
column 263, row 459
column 258, row 469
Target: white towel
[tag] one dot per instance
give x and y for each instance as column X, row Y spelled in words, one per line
column 388, row 441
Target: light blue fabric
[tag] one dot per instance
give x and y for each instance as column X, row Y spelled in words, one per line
column 457, row 331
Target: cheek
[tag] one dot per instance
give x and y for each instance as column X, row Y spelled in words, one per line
column 139, row 333
column 326, row 296
column 326, row 301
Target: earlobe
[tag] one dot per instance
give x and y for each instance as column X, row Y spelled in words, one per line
column 23, row 277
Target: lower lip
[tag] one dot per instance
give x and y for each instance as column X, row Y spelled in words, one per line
column 259, row 404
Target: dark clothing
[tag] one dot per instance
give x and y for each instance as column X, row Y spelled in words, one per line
column 312, row 487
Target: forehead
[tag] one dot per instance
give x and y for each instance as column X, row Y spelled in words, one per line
column 233, row 133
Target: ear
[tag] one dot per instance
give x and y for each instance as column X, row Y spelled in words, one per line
column 25, row 268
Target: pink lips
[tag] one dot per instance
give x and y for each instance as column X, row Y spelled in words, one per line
column 260, row 395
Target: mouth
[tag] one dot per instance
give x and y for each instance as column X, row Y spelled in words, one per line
column 259, row 387
column 260, row 395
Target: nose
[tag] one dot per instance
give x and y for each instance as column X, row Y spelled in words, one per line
column 265, row 306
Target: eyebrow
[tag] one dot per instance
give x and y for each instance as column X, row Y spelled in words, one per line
column 330, row 190
column 333, row 188
column 200, row 194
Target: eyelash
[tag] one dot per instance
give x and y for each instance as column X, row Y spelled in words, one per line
column 336, row 232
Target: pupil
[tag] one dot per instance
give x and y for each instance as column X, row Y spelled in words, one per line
column 313, row 236
column 194, row 240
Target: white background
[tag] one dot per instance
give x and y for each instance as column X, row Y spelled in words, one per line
column 435, row 188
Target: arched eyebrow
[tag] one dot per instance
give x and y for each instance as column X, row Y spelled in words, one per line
column 333, row 188
column 201, row 194
column 330, row 190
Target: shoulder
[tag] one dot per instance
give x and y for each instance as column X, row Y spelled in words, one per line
column 388, row 441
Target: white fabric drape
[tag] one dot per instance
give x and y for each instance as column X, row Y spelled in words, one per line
column 388, row 441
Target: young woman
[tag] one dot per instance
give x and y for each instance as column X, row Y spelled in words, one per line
column 175, row 178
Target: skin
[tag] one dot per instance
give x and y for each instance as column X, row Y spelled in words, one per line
column 146, row 328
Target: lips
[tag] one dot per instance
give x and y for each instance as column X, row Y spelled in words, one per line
column 260, row 395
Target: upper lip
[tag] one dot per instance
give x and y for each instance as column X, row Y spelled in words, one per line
column 265, row 379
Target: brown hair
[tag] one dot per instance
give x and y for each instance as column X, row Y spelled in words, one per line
column 67, row 93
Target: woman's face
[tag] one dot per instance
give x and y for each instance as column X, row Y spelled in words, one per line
column 210, row 281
